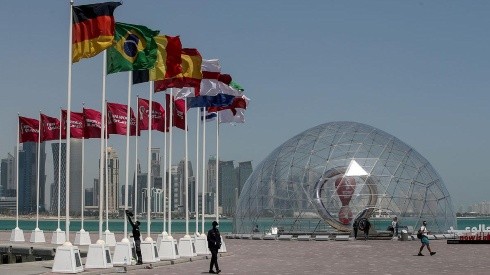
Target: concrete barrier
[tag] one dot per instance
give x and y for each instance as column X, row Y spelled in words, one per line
column 285, row 237
column 304, row 238
column 257, row 237
column 342, row 237
column 322, row 238
column 270, row 237
column 246, row 236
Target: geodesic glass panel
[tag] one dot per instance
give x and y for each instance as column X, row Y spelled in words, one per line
column 308, row 185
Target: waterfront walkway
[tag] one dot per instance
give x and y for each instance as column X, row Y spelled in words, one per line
column 313, row 257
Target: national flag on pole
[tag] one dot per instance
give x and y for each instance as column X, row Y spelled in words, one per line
column 168, row 64
column 191, row 72
column 93, row 121
column 179, row 112
column 50, row 128
column 117, row 117
column 134, row 49
column 28, row 129
column 228, row 116
column 76, row 128
column 158, row 117
column 210, row 101
column 92, row 29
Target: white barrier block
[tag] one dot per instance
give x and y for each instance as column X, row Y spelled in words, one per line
column 67, row 260
column 37, row 236
column 122, row 253
column 201, row 245
column 109, row 238
column 58, row 237
column 223, row 246
column 186, row 247
column 168, row 249
column 98, row 256
column 82, row 238
column 17, row 235
column 149, row 251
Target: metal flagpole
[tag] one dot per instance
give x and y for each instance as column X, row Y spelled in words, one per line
column 135, row 208
column 186, row 167
column 103, row 137
column 217, row 168
column 149, row 177
column 106, row 172
column 38, row 168
column 196, row 182
column 171, row 104
column 17, row 176
column 203, row 168
column 128, row 132
column 164, row 173
column 83, row 172
column 68, row 133
column 59, row 171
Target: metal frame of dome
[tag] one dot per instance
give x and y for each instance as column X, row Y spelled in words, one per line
column 302, row 185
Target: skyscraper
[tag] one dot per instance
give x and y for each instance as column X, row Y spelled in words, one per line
column 179, row 186
column 227, row 184
column 8, row 179
column 75, row 177
column 243, row 171
column 113, row 180
column 28, row 177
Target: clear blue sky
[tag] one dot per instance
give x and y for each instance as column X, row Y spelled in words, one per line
column 418, row 70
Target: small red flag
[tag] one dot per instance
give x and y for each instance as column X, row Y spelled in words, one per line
column 50, row 128
column 116, row 119
column 93, row 120
column 76, row 125
column 178, row 112
column 158, row 122
column 28, row 129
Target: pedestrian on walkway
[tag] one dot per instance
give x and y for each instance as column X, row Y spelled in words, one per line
column 214, row 244
column 367, row 226
column 394, row 225
column 136, row 237
column 424, row 239
column 355, row 227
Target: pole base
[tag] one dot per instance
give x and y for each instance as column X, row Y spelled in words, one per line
column 58, row 237
column 201, row 245
column 37, row 236
column 149, row 252
column 123, row 253
column 17, row 235
column 187, row 247
column 83, row 238
column 98, row 256
column 168, row 249
column 109, row 238
column 223, row 246
column 67, row 260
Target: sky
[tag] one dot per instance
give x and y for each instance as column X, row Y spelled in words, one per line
column 418, row 70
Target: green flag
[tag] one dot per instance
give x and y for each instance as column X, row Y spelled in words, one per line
column 236, row 86
column 134, row 49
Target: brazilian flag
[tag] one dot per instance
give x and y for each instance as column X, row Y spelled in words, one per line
column 134, row 49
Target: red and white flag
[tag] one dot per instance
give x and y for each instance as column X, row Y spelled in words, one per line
column 178, row 112
column 117, row 118
column 93, row 120
column 28, row 129
column 157, row 121
column 76, row 125
column 50, row 128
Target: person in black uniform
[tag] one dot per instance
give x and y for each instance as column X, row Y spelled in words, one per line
column 214, row 244
column 136, row 236
column 355, row 226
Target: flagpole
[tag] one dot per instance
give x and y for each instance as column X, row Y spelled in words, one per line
column 135, row 208
column 165, row 174
column 203, row 168
column 171, row 104
column 59, row 171
column 148, row 178
column 17, row 175
column 38, row 168
column 196, row 181
column 83, row 172
column 217, row 168
column 68, row 132
column 128, row 132
column 106, row 170
column 186, row 167
column 102, row 139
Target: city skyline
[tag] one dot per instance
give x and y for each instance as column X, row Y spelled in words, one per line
column 417, row 70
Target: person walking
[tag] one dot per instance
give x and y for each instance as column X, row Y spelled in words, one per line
column 367, row 226
column 214, row 244
column 425, row 239
column 355, row 227
column 394, row 225
column 136, row 237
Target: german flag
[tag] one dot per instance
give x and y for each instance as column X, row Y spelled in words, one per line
column 191, row 72
column 92, row 29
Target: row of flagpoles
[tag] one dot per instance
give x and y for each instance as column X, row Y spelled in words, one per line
column 148, row 57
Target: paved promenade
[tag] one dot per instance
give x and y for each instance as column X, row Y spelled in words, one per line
column 315, row 257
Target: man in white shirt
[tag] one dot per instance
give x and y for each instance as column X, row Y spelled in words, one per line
column 425, row 239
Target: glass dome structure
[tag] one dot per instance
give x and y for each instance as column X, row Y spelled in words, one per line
column 328, row 176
